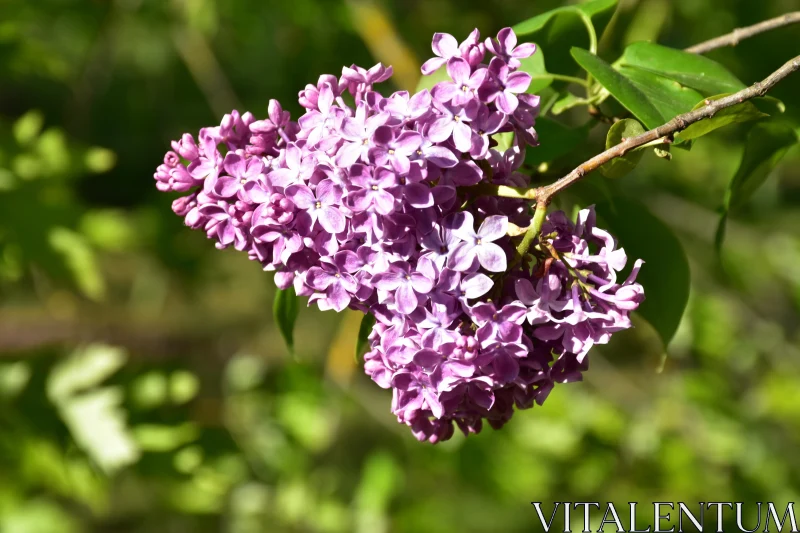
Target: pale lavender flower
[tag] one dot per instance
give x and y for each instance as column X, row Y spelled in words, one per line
column 479, row 245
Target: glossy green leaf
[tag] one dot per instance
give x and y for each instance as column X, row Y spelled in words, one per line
column 534, row 65
column 624, row 129
column 285, row 309
column 556, row 141
column 668, row 96
column 620, row 87
column 767, row 143
column 591, row 8
column 362, row 343
column 665, row 274
column 427, row 82
column 730, row 115
column 692, row 70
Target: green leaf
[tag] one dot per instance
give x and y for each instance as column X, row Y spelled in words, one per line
column 363, row 332
column 692, row 70
column 86, row 367
column 620, row 87
column 80, row 260
column 534, row 65
column 164, row 438
column 28, row 126
column 591, row 8
column 668, row 96
column 97, row 422
column 285, row 309
column 724, row 117
column 557, row 140
column 624, row 129
column 504, row 140
column 95, row 416
column 568, row 101
column 439, row 75
column 99, row 160
column 769, row 105
column 767, row 143
column 665, row 274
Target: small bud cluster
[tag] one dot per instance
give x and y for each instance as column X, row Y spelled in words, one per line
column 364, row 205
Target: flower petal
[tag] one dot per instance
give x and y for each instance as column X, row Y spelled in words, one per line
column 493, row 228
column 491, row 257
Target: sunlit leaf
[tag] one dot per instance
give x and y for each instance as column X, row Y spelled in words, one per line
column 624, row 129
column 244, row 372
column 381, row 479
column 183, row 386
column 504, row 140
column 591, row 8
column 620, row 87
column 53, row 150
column 149, row 390
column 28, row 126
column 285, row 309
column 13, row 378
column 668, row 96
column 308, row 419
column 163, row 438
column 80, row 260
column 97, row 422
column 729, row 115
column 85, row 368
column 665, row 274
column 99, row 160
column 692, row 70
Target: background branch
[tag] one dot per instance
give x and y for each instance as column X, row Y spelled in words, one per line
column 543, row 195
column 739, row 34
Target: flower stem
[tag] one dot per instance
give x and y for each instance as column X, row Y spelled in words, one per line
column 560, row 77
column 533, row 230
column 587, row 21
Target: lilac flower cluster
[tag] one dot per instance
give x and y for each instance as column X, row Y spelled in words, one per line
column 369, row 205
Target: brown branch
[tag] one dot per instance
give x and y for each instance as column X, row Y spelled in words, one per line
column 543, row 195
column 739, row 34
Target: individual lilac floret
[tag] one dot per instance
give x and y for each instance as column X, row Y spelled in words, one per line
column 478, row 244
column 505, row 47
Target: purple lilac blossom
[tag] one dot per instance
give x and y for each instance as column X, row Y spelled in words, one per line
column 360, row 206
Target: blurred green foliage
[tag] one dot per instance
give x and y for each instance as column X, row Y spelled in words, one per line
column 143, row 382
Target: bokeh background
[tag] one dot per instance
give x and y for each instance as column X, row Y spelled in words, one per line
column 145, row 388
